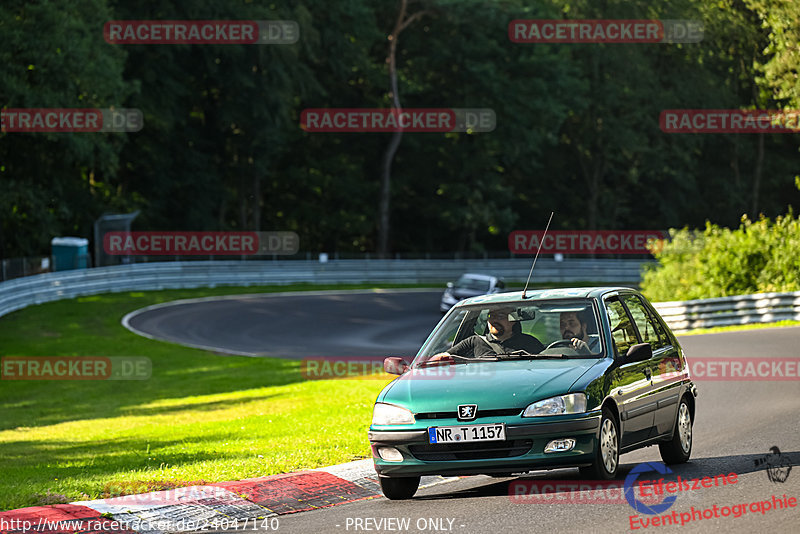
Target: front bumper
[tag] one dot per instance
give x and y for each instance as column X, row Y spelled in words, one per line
column 522, row 451
column 447, row 302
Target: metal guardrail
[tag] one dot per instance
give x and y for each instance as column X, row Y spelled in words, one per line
column 726, row 311
column 680, row 316
column 19, row 293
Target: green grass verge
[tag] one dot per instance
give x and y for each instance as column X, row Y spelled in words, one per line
column 737, row 328
column 201, row 416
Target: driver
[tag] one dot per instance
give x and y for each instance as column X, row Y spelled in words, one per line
column 574, row 329
column 505, row 336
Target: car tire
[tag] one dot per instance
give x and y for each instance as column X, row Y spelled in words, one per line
column 606, row 460
column 679, row 448
column 399, row 488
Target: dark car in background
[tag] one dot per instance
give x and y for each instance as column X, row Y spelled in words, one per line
column 470, row 285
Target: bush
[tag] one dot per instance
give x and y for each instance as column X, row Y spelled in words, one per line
column 760, row 256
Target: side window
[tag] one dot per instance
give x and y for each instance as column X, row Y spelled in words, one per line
column 481, row 327
column 659, row 324
column 466, row 321
column 622, row 331
column 649, row 327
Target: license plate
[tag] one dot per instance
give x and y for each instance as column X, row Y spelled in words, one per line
column 460, row 434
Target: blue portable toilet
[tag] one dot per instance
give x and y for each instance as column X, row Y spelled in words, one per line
column 70, row 253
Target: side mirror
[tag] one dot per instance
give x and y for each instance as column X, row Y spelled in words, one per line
column 449, row 285
column 395, row 365
column 639, row 353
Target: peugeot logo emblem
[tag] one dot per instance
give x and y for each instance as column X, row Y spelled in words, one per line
column 467, row 412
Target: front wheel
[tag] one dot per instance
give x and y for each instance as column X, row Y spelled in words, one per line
column 607, row 455
column 399, row 488
column 679, row 448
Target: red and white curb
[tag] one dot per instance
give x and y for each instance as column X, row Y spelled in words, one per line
column 224, row 505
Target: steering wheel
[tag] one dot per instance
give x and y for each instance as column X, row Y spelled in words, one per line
column 558, row 343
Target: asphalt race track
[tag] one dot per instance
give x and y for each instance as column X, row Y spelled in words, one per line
column 737, row 422
column 381, row 322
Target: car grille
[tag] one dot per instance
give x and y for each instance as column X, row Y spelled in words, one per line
column 471, row 451
column 481, row 413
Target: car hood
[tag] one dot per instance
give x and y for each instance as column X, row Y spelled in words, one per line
column 462, row 294
column 490, row 385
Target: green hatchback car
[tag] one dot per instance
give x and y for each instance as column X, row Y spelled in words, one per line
column 557, row 378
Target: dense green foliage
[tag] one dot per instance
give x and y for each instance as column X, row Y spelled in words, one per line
column 577, row 125
column 759, row 256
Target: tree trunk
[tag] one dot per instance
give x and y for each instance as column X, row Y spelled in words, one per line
column 242, row 204
column 256, row 199
column 757, row 178
column 384, row 205
column 759, row 162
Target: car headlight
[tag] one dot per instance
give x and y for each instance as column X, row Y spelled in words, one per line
column 564, row 404
column 389, row 414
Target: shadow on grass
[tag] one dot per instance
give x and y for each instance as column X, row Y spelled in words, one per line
column 23, row 473
column 42, row 403
column 90, row 326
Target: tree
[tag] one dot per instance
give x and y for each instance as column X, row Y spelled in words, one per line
column 780, row 71
column 403, row 21
column 53, row 184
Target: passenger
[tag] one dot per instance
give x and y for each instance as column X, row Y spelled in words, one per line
column 574, row 327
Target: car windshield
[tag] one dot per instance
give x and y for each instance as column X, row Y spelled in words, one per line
column 559, row 328
column 473, row 284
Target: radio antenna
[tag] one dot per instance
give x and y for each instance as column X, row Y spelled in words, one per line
column 537, row 254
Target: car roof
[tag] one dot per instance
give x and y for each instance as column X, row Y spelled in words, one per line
column 541, row 294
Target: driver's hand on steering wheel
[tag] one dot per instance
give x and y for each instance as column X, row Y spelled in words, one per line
column 579, row 344
column 439, row 357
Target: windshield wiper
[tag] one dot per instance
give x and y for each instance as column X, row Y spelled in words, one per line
column 457, row 359
column 520, row 354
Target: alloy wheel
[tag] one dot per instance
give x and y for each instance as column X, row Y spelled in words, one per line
column 685, row 427
column 608, row 445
